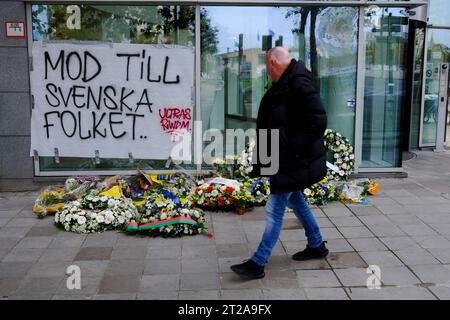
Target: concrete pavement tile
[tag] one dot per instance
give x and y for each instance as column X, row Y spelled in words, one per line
column 63, row 243
column 288, row 224
column 39, row 285
column 9, row 243
column 22, row 222
column 443, row 293
column 346, row 260
column 122, row 284
column 404, row 219
column 415, row 257
column 159, row 282
column 199, row 281
column 14, row 232
column 435, row 274
column 23, row 255
column 409, row 200
column 127, row 253
column 94, row 253
column 162, row 266
column 92, row 268
column 244, row 294
column 391, row 293
column 391, row 209
column 317, row 279
column 199, row 295
column 48, row 269
column 89, row 286
column 4, row 213
column 59, row 254
column 350, row 221
column 381, row 258
column 379, row 220
column 325, row 294
column 116, row 296
column 432, row 242
column 417, row 230
column 317, row 264
column 398, row 276
column 230, row 238
column 235, row 282
column 356, row 232
column 443, row 255
column 136, row 241
column 34, row 243
column 337, row 211
column 14, row 269
column 436, row 218
column 353, row 277
column 284, row 294
column 3, row 253
column 324, row 223
column 330, row 233
column 442, row 228
column 232, row 250
column 104, row 239
column 361, row 210
column 31, row 296
column 125, row 267
column 201, row 251
column 161, row 295
column 387, row 231
column 292, row 235
column 43, row 232
column 8, row 286
column 399, row 243
column 169, row 252
column 199, row 265
column 279, row 263
column 339, row 245
column 280, row 280
column 367, row 244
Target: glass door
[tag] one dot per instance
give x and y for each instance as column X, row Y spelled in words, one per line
column 438, row 54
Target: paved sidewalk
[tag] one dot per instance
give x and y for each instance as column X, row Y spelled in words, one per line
column 405, row 230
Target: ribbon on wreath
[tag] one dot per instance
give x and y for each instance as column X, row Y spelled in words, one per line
column 134, row 227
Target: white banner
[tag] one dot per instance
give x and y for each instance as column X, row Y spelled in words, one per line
column 114, row 98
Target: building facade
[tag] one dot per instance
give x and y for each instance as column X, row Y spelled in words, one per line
column 379, row 67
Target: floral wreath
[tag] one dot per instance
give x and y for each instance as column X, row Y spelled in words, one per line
column 343, row 156
column 95, row 214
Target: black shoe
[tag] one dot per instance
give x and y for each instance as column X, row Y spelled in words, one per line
column 311, row 253
column 249, row 269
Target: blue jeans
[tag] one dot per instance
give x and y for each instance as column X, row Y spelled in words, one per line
column 275, row 208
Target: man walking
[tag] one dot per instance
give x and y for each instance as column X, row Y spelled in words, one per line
column 293, row 107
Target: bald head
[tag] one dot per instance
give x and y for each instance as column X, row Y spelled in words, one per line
column 280, row 55
column 277, row 61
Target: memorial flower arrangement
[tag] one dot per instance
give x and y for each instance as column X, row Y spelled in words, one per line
column 221, row 197
column 95, row 214
column 341, row 151
column 259, row 190
column 321, row 193
column 170, row 223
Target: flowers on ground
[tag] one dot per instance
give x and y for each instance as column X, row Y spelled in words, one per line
column 95, row 214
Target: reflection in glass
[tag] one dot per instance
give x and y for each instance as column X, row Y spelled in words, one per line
column 234, row 78
column 386, row 43
column 438, row 53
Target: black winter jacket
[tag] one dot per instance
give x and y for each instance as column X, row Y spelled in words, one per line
column 293, row 106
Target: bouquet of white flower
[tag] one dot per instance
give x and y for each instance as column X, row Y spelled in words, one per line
column 95, row 214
